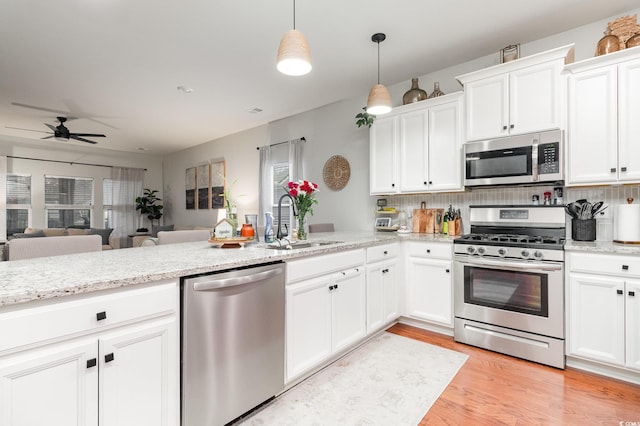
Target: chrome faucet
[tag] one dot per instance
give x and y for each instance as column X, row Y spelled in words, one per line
column 279, row 233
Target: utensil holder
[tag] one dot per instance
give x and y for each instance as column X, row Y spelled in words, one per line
column 583, row 229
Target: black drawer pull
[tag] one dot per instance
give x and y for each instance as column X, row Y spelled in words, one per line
column 625, row 267
column 623, row 169
column 92, row 362
column 430, row 182
column 447, row 270
column 619, row 291
column 424, row 183
column 512, row 126
column 385, row 252
column 331, row 288
column 504, row 127
column 101, row 316
column 613, row 170
column 393, row 185
column 428, row 251
column 632, row 293
column 109, row 357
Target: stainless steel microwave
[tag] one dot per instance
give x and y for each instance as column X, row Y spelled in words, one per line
column 523, row 159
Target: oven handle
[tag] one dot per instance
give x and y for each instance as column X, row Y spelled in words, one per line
column 518, row 266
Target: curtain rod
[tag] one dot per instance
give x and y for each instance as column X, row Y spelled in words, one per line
column 67, row 162
column 280, row 143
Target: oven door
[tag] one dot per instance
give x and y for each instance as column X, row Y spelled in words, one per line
column 521, row 295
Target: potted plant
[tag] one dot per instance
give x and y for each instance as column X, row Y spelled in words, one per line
column 148, row 205
column 364, row 118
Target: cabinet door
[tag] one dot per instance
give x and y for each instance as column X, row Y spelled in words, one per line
column 487, row 104
column 413, row 151
column 308, row 325
column 445, row 147
column 383, row 145
column 592, row 129
column 632, row 310
column 50, row 386
column 348, row 309
column 430, row 290
column 629, row 122
column 390, row 292
column 535, row 98
column 596, row 318
column 375, row 301
column 139, row 375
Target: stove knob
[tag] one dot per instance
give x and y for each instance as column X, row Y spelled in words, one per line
column 481, row 250
column 525, row 254
column 538, row 255
column 502, row 252
column 471, row 249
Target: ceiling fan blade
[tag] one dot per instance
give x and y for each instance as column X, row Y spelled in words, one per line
column 78, row 138
column 57, row 111
column 91, row 135
column 20, row 128
column 48, row 137
column 50, row 126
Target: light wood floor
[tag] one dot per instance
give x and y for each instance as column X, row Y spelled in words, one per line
column 495, row 389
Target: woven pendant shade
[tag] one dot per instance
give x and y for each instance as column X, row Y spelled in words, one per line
column 294, row 57
column 379, row 101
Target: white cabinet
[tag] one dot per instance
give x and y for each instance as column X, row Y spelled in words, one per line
column 325, row 310
column 603, row 127
column 517, row 97
column 109, row 359
column 429, row 281
column 418, row 148
column 604, row 308
column 382, row 286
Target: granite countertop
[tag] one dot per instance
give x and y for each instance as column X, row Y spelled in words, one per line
column 50, row 277
column 606, row 247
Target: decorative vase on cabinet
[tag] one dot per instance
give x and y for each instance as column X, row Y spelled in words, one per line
column 415, row 94
column 436, row 91
column 608, row 44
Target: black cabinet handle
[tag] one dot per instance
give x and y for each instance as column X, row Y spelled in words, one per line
column 393, row 185
column 424, row 183
column 446, row 270
column 625, row 267
column 632, row 293
column 330, row 288
column 504, row 127
column 428, row 250
column 623, row 169
column 512, row 126
column 613, row 170
column 385, row 252
column 430, row 182
column 92, row 362
column 619, row 291
column 101, row 316
column 384, row 271
column 109, row 357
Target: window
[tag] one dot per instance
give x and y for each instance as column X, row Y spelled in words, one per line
column 280, row 174
column 107, row 202
column 18, row 203
column 68, row 201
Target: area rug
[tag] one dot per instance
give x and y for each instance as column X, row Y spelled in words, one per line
column 391, row 380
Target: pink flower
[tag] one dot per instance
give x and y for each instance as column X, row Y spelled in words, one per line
column 293, row 192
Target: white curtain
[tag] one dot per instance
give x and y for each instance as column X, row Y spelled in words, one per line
column 296, row 147
column 3, row 199
column 265, row 190
column 127, row 185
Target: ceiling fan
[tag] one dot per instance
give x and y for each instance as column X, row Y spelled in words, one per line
column 62, row 132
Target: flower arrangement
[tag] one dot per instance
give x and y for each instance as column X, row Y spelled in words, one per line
column 303, row 194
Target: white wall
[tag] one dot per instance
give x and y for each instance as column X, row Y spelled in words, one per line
column 331, row 130
column 70, row 155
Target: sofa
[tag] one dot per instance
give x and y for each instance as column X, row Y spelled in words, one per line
column 29, row 248
column 108, row 242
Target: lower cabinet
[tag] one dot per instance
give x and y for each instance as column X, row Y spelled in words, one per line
column 112, row 374
column 382, row 286
column 429, row 281
column 325, row 315
column 604, row 309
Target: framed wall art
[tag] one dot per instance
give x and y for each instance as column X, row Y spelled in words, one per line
column 218, row 173
column 203, row 178
column 190, row 188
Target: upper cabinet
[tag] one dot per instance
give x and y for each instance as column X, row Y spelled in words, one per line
column 517, row 97
column 603, row 126
column 417, row 148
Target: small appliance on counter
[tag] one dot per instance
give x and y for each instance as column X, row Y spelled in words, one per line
column 627, row 223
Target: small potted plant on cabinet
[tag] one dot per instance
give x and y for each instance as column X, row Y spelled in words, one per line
column 149, row 206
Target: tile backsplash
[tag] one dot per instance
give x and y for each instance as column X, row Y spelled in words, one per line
column 611, row 195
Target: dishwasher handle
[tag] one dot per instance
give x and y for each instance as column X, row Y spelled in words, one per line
column 235, row 281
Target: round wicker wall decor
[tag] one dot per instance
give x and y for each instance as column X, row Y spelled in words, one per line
column 336, row 172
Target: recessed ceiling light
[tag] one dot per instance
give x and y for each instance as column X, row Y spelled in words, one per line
column 185, row 89
column 255, row 111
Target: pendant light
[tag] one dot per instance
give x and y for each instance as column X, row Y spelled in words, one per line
column 379, row 101
column 293, row 54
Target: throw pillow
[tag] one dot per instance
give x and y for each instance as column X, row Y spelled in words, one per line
column 155, row 229
column 29, row 234
column 77, row 231
column 104, row 233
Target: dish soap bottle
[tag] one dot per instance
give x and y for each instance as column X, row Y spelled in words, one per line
column 268, row 229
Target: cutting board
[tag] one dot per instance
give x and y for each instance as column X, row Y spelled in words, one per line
column 424, row 220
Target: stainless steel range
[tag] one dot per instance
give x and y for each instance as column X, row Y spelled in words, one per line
column 509, row 282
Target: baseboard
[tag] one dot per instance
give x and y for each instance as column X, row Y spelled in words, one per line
column 436, row 328
column 619, row 373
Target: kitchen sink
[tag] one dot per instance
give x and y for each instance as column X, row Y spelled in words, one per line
column 299, row 245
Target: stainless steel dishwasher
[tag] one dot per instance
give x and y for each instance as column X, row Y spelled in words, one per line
column 232, row 342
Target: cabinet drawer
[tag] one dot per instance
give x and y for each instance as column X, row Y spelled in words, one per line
column 430, row 250
column 386, row 251
column 47, row 323
column 626, row 266
column 321, row 265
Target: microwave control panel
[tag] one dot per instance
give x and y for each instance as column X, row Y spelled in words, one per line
column 549, row 158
